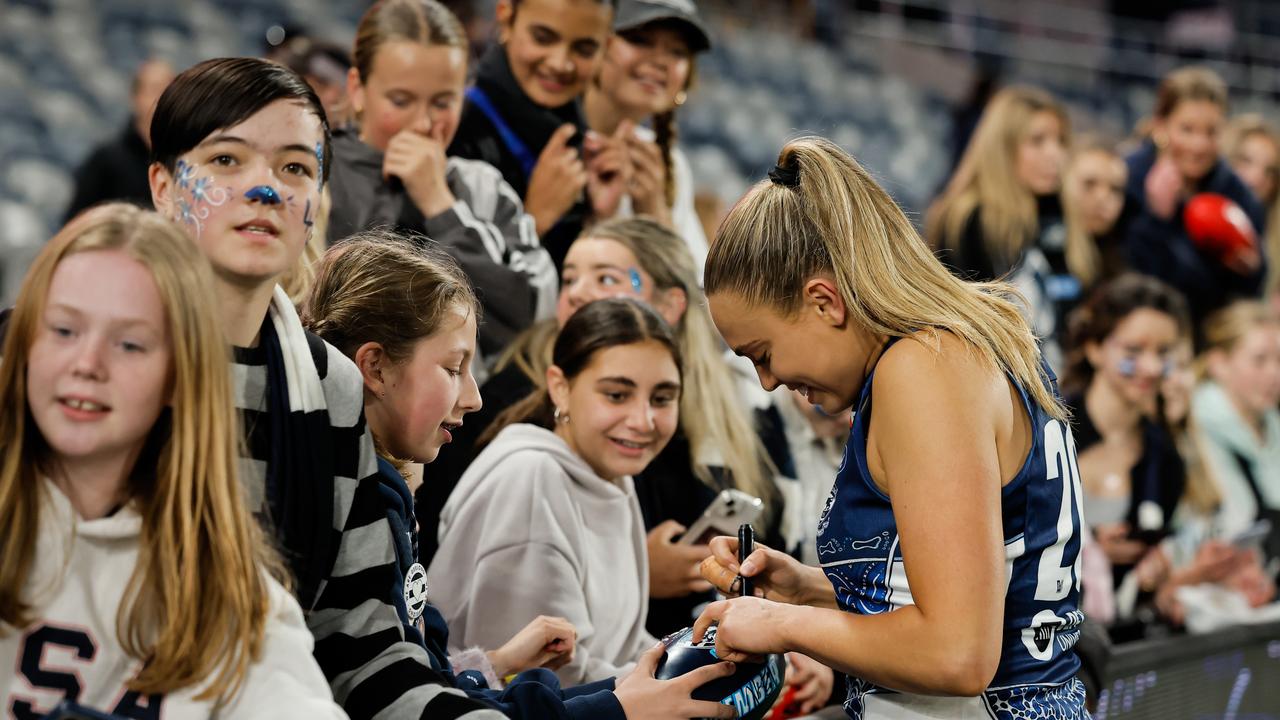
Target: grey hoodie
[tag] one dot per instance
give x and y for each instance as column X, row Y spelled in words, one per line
column 531, row 530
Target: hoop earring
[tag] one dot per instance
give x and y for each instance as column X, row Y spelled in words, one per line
column 561, row 417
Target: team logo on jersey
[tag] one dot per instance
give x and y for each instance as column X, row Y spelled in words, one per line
column 415, row 591
column 1039, row 638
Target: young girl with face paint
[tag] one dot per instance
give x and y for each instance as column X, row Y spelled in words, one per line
column 949, row 543
column 406, row 88
column 522, row 116
column 1000, row 215
column 716, row 445
column 1134, row 478
column 126, row 539
column 1182, row 159
column 407, row 316
column 241, row 151
column 1252, row 146
column 546, row 520
column 644, row 75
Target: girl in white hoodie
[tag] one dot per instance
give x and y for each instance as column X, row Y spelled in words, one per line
column 545, row 520
column 133, row 579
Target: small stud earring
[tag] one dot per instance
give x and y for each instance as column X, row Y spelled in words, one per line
column 681, row 98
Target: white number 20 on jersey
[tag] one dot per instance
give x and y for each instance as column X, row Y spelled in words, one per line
column 1054, row 580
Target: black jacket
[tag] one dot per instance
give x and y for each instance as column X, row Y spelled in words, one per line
column 1159, row 476
column 116, row 170
column 1162, row 248
column 478, row 139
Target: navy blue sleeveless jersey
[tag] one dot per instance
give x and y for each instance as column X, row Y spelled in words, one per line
column 859, row 551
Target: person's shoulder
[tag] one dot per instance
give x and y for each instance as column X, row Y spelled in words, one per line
column 932, row 363
column 526, row 446
column 474, row 171
column 524, row 451
column 1229, row 183
column 341, row 380
column 476, row 177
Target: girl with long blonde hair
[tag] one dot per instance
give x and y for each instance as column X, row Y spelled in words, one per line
column 1252, row 147
column 126, row 534
column 1000, row 215
column 1092, row 201
column 1235, row 407
column 646, row 70
column 989, row 213
column 949, row 545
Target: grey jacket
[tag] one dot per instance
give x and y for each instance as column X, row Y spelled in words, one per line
column 486, row 231
column 532, row 530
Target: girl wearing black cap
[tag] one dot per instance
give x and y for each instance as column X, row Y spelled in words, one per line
column 647, row 69
column 522, row 116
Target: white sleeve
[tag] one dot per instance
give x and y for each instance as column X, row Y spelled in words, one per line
column 285, row 681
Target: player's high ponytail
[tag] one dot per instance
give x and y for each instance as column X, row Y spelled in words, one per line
column 822, row 213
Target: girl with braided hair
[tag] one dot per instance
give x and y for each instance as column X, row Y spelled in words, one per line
column 647, row 68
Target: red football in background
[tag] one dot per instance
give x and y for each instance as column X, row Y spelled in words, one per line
column 1219, row 226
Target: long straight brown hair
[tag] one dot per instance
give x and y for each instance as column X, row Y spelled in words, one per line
column 196, row 607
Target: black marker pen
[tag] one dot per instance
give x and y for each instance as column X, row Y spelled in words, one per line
column 746, row 545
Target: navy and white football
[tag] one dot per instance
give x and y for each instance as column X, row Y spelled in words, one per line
column 752, row 688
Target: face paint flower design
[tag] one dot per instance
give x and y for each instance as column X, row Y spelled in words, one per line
column 320, row 163
column 201, row 194
column 186, row 172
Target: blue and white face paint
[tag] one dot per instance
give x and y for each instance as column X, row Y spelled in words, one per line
column 264, row 194
column 197, row 196
column 250, row 192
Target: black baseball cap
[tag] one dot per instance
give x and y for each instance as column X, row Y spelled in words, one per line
column 633, row 14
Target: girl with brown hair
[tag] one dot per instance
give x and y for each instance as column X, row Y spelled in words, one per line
column 406, row 315
column 523, row 115
column 1181, row 161
column 546, row 519
column 406, row 87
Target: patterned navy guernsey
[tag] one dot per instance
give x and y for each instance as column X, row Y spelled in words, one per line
column 859, row 550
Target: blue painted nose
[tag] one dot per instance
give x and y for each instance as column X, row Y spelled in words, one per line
column 264, row 194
